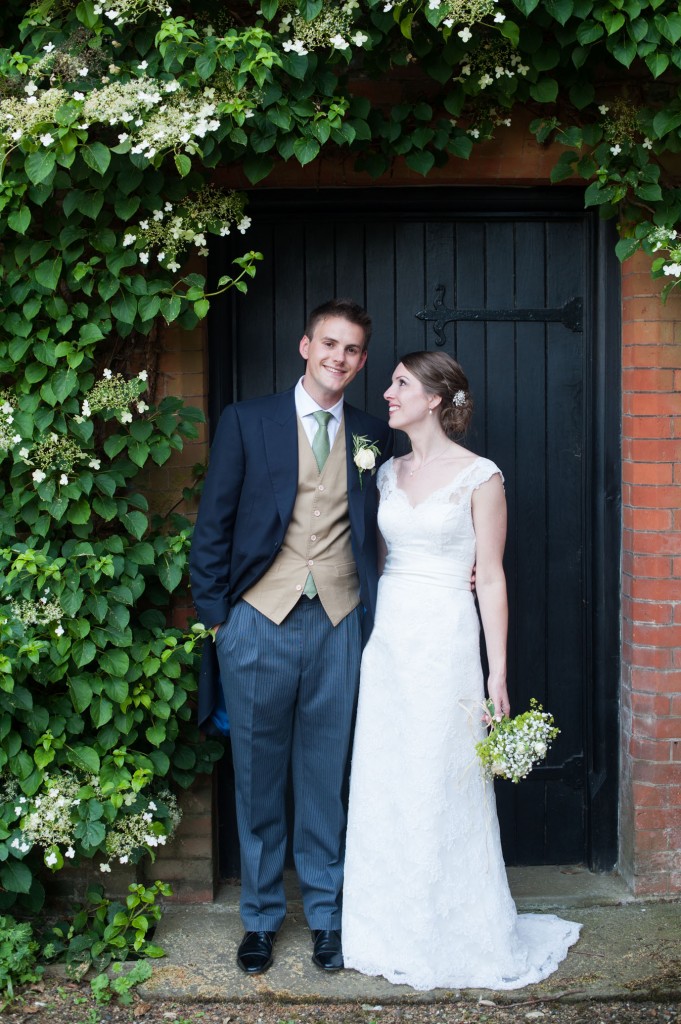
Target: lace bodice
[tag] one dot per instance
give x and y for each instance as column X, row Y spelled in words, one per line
column 435, row 537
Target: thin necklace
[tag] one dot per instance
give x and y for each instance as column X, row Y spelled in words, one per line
column 427, row 462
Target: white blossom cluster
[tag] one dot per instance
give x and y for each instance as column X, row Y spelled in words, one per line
column 514, row 745
column 114, row 393
column 333, row 27
column 31, row 114
column 49, row 820
column 494, row 59
column 133, row 832
column 8, row 434
column 158, row 116
column 170, row 231
column 123, row 12
column 54, row 453
column 667, row 240
column 466, row 13
column 40, row 612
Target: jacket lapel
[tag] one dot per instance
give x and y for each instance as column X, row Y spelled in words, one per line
column 280, row 434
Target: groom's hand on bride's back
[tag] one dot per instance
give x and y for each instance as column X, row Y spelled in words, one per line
column 473, row 579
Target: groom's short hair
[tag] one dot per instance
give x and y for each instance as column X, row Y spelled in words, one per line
column 345, row 308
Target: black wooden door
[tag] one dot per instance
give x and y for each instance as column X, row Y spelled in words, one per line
column 520, row 286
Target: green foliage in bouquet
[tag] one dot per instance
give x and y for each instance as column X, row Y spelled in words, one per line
column 514, row 745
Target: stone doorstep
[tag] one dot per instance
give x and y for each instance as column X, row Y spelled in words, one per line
column 629, row 949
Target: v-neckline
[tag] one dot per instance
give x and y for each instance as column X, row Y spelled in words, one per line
column 437, row 490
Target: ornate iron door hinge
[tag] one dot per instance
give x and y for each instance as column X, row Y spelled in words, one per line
column 570, row 314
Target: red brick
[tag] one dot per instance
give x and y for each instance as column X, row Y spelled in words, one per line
column 650, row 566
column 651, row 404
column 650, row 702
column 661, row 684
column 655, row 450
column 656, row 728
column 675, row 701
column 653, row 818
column 655, row 589
column 661, row 543
column 648, row 472
column 650, row 750
column 644, row 519
column 647, row 380
column 652, row 497
column 654, row 840
column 657, row 773
column 649, row 796
column 649, row 308
column 656, row 636
column 649, row 611
column 650, row 884
column 650, row 349
column 647, row 426
column 646, row 657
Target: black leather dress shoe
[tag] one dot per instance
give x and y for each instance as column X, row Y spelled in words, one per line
column 328, row 950
column 254, row 954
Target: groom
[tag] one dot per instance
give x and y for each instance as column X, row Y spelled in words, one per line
column 284, row 570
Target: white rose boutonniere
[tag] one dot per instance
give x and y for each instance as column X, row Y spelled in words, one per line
column 364, row 454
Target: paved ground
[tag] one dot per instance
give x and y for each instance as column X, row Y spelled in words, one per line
column 629, row 949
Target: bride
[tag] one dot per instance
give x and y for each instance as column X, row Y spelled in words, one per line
column 426, row 901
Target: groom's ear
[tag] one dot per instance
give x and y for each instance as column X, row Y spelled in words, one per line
column 304, row 346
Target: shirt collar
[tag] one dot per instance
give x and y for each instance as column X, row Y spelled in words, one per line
column 306, row 405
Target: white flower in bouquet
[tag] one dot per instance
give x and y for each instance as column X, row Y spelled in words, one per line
column 514, row 745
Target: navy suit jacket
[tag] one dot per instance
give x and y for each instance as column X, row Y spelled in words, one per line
column 246, row 507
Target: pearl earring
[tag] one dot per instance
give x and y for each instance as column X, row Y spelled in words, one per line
column 430, row 412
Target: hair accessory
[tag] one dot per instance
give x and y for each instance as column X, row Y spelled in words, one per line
column 459, row 399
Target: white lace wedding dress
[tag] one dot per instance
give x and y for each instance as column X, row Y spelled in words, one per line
column 426, row 902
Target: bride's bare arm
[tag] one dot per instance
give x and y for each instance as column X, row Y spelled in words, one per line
column 489, row 521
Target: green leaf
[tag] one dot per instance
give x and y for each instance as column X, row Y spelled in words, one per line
column 148, row 306
column 63, row 383
column 39, row 165
column 201, row 307
column 80, row 689
column 115, row 663
column 170, row 575
column 19, row 220
column 170, row 308
column 97, row 156
column 582, row 94
column 545, row 90
column 84, row 757
column 183, row 164
column 624, row 50
column 125, row 308
column 666, row 121
column 136, row 523
column 48, row 272
column 305, row 150
column 156, row 734
column 626, row 247
column 560, row 9
column 15, row 876
column 421, row 161
column 257, row 166
column 589, row 31
column 79, row 512
column 657, row 63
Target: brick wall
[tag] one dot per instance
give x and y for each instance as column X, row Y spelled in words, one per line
column 650, row 773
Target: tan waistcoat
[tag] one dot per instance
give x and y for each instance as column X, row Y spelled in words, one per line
column 317, row 541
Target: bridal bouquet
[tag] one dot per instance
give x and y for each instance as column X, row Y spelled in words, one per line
column 514, row 745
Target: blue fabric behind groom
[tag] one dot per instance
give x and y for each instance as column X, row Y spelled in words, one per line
column 284, row 570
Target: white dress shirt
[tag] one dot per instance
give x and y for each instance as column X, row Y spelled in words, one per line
column 306, row 407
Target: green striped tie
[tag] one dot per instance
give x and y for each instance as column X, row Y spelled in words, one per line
column 320, row 441
column 320, row 449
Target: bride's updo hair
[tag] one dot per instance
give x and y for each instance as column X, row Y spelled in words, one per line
column 441, row 375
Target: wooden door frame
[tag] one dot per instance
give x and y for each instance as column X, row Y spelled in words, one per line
column 602, row 462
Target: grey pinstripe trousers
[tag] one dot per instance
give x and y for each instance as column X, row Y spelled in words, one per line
column 290, row 692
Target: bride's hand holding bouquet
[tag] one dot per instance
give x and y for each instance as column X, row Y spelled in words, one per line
column 514, row 745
